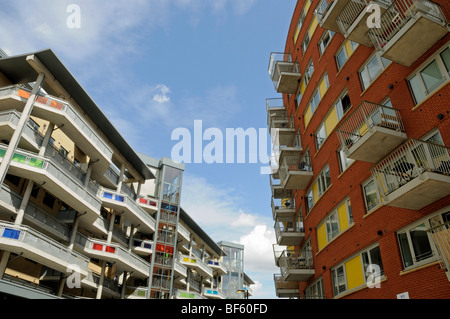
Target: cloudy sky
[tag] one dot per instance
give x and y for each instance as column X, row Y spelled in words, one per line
column 154, row 66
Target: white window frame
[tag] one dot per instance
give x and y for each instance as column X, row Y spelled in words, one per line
column 377, row 56
column 323, row 47
column 441, row 66
column 363, row 185
column 342, row 157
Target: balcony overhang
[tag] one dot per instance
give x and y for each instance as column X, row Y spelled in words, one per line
column 375, row 144
column 328, row 19
column 297, row 179
column 290, row 238
column 420, row 192
column 293, row 275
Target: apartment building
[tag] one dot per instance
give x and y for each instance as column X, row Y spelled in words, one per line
column 82, row 215
column 361, row 134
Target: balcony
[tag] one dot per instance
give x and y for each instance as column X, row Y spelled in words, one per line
column 31, row 138
column 180, row 270
column 409, row 24
column 113, row 253
column 213, row 293
column 197, row 264
column 285, row 289
column 142, row 247
column 61, row 178
column 183, row 236
column 126, row 205
column 68, row 120
column 278, row 191
column 289, row 231
column 28, row 243
column 295, row 171
column 217, row 267
column 295, row 265
column 352, row 20
column 414, row 175
column 283, row 208
column 441, row 237
column 183, row 294
column 371, row 132
column 284, row 73
column 327, row 12
column 149, row 204
column 281, row 126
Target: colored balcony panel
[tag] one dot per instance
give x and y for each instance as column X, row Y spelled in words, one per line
column 371, row 132
column 69, row 121
column 409, row 24
column 327, row 12
column 414, row 175
column 29, row 243
column 354, row 17
column 284, row 73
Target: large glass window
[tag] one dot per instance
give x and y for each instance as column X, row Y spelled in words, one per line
column 426, row 80
column 372, row 69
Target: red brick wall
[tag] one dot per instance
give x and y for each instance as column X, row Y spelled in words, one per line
column 427, row 282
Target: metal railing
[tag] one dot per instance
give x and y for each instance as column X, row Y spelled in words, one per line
column 291, row 163
column 277, row 115
column 43, row 243
column 280, row 63
column 398, row 14
column 290, row 259
column 285, row 203
column 353, row 9
column 408, row 161
column 441, row 237
column 104, row 193
column 322, row 9
column 288, row 225
column 29, row 130
column 281, row 284
column 363, row 118
column 114, row 249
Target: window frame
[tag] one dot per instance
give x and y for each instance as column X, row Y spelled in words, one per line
column 323, row 48
column 379, row 59
column 363, row 185
column 437, row 57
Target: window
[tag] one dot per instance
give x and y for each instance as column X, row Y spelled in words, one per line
column 434, row 137
column 344, row 161
column 318, row 94
column 371, row 196
column 353, row 272
column 325, row 40
column 345, row 52
column 425, row 81
column 321, row 135
column 309, row 200
column 315, row 290
column 324, row 180
column 49, row 200
column 309, row 72
column 299, row 25
column 416, row 245
column 343, row 105
column 339, row 281
column 336, row 222
column 305, row 42
column 372, row 69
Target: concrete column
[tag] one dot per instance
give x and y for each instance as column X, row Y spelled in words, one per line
column 24, row 203
column 12, row 147
column 4, row 262
column 88, row 175
column 74, row 231
column 102, row 279
column 122, row 171
column 111, row 227
column 47, row 137
column 124, row 285
column 138, row 191
column 130, row 241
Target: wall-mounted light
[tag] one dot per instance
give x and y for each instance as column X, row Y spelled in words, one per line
column 440, row 116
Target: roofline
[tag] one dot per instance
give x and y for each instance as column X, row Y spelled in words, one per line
column 64, row 77
column 200, row 232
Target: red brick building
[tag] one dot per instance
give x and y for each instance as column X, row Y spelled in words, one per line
column 360, row 196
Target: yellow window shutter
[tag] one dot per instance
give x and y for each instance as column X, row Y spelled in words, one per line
column 348, row 48
column 323, row 87
column 313, row 26
column 321, row 236
column 331, row 121
column 308, row 115
column 316, row 192
column 354, row 272
column 343, row 216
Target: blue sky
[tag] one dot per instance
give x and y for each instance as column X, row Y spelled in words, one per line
column 156, row 65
